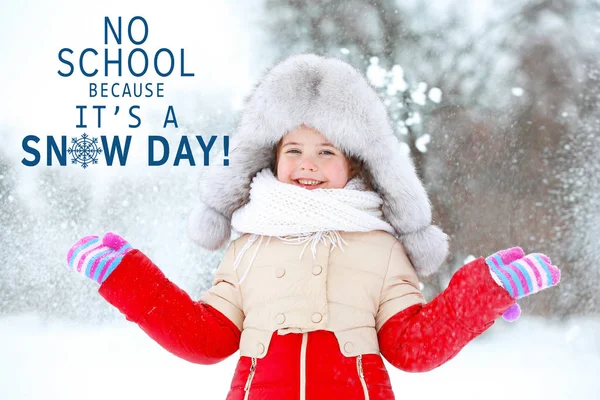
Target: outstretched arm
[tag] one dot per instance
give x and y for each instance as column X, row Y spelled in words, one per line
column 423, row 337
column 192, row 330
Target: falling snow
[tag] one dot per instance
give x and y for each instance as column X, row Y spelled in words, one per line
column 500, row 104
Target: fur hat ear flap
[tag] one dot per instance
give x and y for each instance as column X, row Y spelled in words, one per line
column 209, row 228
column 426, row 248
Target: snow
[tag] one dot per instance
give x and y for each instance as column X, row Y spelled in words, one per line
column 517, row 91
column 418, row 97
column 397, row 84
column 534, row 358
column 67, row 360
column 435, row 95
column 402, row 129
column 375, row 73
column 413, row 119
column 422, row 142
column 403, row 148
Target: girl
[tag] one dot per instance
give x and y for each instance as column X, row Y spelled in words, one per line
column 314, row 163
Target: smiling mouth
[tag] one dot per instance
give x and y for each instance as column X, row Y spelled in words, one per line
column 308, row 183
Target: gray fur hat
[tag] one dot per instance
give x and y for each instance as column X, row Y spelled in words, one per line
column 334, row 98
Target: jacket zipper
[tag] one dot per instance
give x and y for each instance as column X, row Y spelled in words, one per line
column 303, row 366
column 361, row 376
column 250, row 376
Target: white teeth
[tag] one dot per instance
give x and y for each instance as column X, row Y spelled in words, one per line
column 307, row 182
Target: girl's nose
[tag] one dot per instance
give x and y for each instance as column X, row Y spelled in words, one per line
column 308, row 164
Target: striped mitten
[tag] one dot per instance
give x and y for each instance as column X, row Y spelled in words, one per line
column 97, row 258
column 521, row 275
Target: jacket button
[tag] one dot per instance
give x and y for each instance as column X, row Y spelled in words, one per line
column 280, row 319
column 317, row 269
column 316, row 317
column 261, row 348
column 280, row 272
column 348, row 347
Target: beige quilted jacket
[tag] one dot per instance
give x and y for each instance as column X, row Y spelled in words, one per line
column 351, row 293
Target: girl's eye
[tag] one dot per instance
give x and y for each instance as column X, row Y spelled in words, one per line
column 296, row 151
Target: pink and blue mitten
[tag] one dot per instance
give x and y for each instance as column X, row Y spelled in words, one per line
column 97, row 258
column 521, row 275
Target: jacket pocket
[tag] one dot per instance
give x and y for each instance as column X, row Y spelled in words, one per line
column 250, row 376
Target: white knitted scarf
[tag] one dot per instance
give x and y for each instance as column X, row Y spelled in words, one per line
column 297, row 215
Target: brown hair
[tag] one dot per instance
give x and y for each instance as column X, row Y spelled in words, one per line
column 356, row 166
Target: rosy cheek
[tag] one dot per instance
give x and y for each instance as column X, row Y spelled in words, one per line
column 339, row 174
column 283, row 171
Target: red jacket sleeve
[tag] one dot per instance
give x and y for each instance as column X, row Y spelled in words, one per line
column 192, row 330
column 423, row 337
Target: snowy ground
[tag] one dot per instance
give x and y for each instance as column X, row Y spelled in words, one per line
column 532, row 359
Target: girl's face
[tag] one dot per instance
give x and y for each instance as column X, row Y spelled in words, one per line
column 308, row 160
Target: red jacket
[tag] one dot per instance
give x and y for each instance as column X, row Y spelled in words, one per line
column 418, row 339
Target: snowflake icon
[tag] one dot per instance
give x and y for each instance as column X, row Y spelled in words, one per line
column 84, row 150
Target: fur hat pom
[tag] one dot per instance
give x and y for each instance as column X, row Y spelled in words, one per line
column 209, row 228
column 427, row 249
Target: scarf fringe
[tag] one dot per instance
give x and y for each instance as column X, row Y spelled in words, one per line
column 334, row 237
